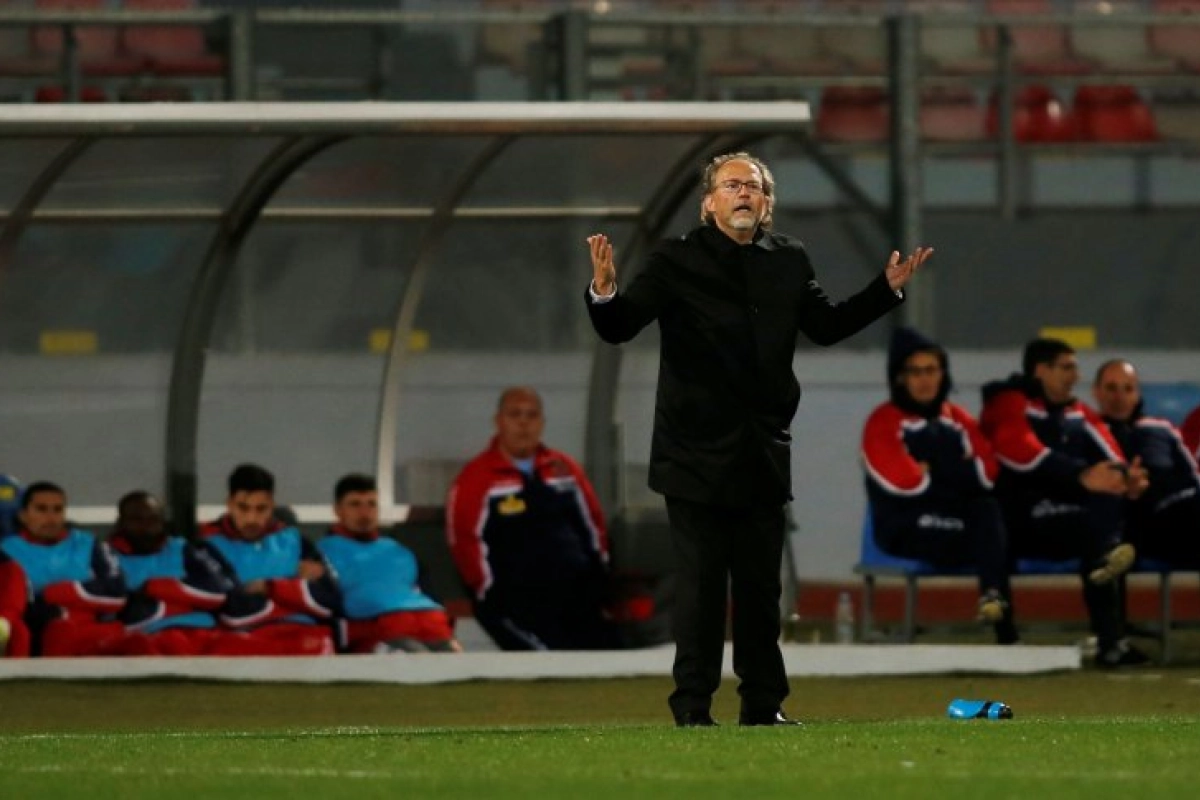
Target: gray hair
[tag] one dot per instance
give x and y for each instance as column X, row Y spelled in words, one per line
column 708, row 183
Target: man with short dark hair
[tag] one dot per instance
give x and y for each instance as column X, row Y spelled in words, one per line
column 1063, row 483
column 529, row 540
column 384, row 606
column 74, row 581
column 285, row 592
column 1164, row 519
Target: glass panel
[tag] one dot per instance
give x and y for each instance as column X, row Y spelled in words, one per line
column 163, row 173
column 21, row 160
column 88, row 319
column 537, row 171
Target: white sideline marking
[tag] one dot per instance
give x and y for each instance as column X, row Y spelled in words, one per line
column 233, row 772
column 800, row 660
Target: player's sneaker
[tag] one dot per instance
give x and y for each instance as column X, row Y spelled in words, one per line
column 1121, row 655
column 1116, row 563
column 991, row 608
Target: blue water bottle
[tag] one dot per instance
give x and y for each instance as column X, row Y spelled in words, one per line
column 978, row 709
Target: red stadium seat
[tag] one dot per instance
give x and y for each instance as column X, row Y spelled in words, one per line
column 853, row 114
column 57, row 94
column 1039, row 116
column 171, row 49
column 99, row 47
column 1038, row 49
column 1123, row 47
column 952, row 115
column 1174, row 41
column 1113, row 114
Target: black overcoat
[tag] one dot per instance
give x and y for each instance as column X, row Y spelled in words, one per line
column 729, row 316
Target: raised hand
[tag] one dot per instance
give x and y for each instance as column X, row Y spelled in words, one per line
column 604, row 271
column 899, row 272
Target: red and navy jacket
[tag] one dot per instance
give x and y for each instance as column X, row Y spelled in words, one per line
column 1190, row 430
column 176, row 585
column 958, row 461
column 1043, row 441
column 73, row 575
column 1173, row 473
column 274, row 558
column 509, row 529
column 14, row 590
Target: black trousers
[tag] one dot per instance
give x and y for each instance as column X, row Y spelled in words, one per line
column 959, row 533
column 950, row 534
column 550, row 616
column 1169, row 533
column 1084, row 526
column 723, row 553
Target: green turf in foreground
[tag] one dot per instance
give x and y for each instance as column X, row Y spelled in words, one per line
column 1079, row 734
column 1091, row 758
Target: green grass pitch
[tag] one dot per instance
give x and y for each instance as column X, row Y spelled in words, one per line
column 1084, row 734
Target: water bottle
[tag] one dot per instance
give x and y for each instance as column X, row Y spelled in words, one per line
column 978, row 709
column 843, row 619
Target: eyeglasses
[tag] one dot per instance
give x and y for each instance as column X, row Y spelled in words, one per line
column 735, row 187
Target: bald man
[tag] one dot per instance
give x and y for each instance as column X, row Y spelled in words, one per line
column 1164, row 511
column 529, row 539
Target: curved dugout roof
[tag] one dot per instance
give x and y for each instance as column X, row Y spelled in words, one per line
column 300, row 131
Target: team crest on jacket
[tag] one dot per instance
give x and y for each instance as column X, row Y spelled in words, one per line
column 511, row 505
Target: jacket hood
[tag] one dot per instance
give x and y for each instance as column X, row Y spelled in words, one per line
column 905, row 342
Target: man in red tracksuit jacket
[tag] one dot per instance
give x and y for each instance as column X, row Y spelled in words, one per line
column 1190, row 430
column 929, row 477
column 177, row 590
column 1063, row 483
column 14, row 596
column 73, row 580
column 285, row 595
column 1164, row 521
column 528, row 537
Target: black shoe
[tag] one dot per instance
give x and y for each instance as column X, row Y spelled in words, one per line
column 776, row 718
column 1121, row 655
column 695, row 719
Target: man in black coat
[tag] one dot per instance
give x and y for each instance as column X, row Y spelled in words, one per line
column 730, row 298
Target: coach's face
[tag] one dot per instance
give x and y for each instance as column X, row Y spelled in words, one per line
column 737, row 200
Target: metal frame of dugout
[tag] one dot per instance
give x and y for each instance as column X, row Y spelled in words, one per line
column 305, row 130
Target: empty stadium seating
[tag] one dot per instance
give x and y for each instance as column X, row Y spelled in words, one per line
column 1040, row 47
column 170, row 50
column 1113, row 114
column 853, row 114
column 1039, row 116
column 952, row 114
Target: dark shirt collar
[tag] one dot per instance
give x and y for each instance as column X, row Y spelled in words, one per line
column 713, row 237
